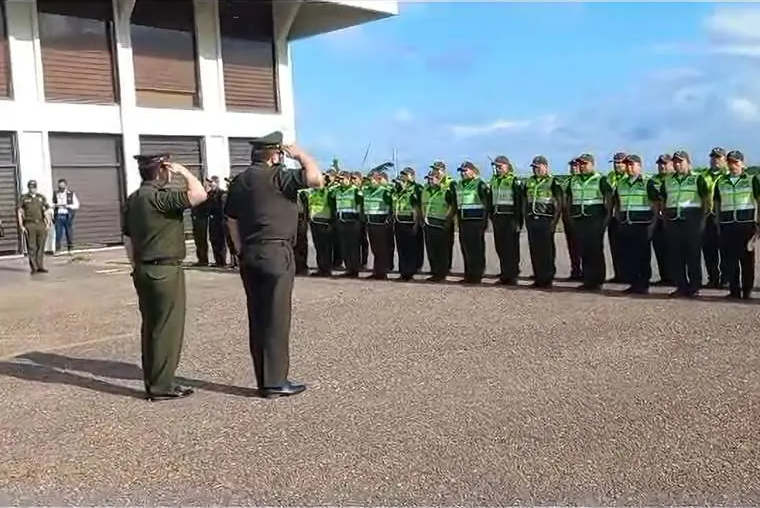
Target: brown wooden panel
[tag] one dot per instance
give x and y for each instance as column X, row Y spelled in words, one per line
column 5, row 61
column 164, row 53
column 76, row 42
column 9, row 194
column 240, row 155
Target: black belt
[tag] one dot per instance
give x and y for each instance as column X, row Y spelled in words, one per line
column 161, row 262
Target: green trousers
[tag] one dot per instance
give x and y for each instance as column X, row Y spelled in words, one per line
column 36, row 237
column 161, row 297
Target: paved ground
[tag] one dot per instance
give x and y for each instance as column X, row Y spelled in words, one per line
column 421, row 395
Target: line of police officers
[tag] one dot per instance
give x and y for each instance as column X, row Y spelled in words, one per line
column 682, row 214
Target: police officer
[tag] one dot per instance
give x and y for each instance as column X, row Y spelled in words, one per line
column 347, row 201
column 333, row 182
column 635, row 210
column 711, row 242
column 301, row 248
column 686, row 199
column 216, row 227
column 473, row 200
column 736, row 199
column 200, row 218
column 34, row 221
column 407, row 219
column 154, row 237
column 542, row 208
column 438, row 206
column 263, row 219
column 571, row 237
column 359, row 182
column 506, row 218
column 378, row 205
column 445, row 181
column 613, row 228
column 321, row 218
column 589, row 198
column 664, row 170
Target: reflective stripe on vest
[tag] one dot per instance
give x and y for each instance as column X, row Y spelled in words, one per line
column 319, row 206
column 345, row 200
column 468, row 199
column 503, row 190
column 737, row 199
column 540, row 196
column 586, row 193
column 633, row 195
column 682, row 194
column 402, row 204
column 434, row 206
column 374, row 201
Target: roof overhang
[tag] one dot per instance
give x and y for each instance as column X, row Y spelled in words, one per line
column 310, row 17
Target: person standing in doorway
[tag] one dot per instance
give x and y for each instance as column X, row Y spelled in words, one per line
column 216, row 233
column 34, row 221
column 65, row 205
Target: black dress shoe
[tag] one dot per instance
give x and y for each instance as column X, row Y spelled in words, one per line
column 286, row 389
column 175, row 392
column 42, row 270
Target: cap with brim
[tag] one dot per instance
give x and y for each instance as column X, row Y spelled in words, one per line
column 439, row 165
column 663, row 158
column 585, row 157
column 539, row 160
column 572, row 162
column 632, row 158
column 467, row 165
column 273, row 139
column 681, row 155
column 619, row 157
column 32, row 183
column 146, row 160
column 735, row 155
column 718, row 151
column 407, row 171
column 501, row 159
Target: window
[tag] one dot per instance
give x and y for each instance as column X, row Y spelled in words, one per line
column 76, row 39
column 248, row 58
column 164, row 52
column 5, row 61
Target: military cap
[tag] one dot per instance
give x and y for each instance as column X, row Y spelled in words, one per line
column 735, row 155
column 32, row 183
column 438, row 165
column 681, row 155
column 147, row 160
column 539, row 159
column 619, row 157
column 273, row 139
column 573, row 161
column 214, row 178
column 585, row 157
column 467, row 165
column 718, row 151
column 632, row 158
column 407, row 171
column 663, row 158
column 501, row 159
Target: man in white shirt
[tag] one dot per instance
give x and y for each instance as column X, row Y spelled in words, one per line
column 65, row 205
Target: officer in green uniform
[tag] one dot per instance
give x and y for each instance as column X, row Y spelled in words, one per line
column 445, row 182
column 359, row 182
column 321, row 218
column 383, row 175
column 686, row 199
column 664, row 170
column 438, row 205
column 736, row 199
column 334, row 181
column 378, row 205
column 200, row 218
column 472, row 204
column 301, row 248
column 506, row 218
column 571, row 237
column 542, row 208
column 347, row 199
column 711, row 242
column 613, row 228
column 589, row 198
column 34, row 221
column 635, row 208
column 407, row 219
column 153, row 228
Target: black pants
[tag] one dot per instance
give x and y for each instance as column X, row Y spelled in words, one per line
column 391, row 246
column 380, row 238
column 364, row 245
column 613, row 237
column 506, row 239
column 337, row 251
column 218, row 241
column 268, row 270
column 711, row 251
column 301, row 248
column 437, row 245
column 420, row 248
column 661, row 252
column 407, row 243
column 230, row 246
column 740, row 263
column 451, row 247
column 200, row 237
column 322, row 235
column 684, row 245
column 350, row 235
column 635, row 254
column 472, row 241
column 573, row 248
column 543, row 252
column 590, row 234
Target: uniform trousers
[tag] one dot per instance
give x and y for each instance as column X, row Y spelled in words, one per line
column 200, row 237
column 36, row 237
column 437, row 245
column 711, row 251
column 573, row 248
column 301, row 247
column 322, row 235
column 472, row 241
column 684, row 246
column 740, row 263
column 381, row 243
column 613, row 236
column 216, row 236
column 590, row 234
column 636, row 254
column 350, row 235
column 506, row 237
column 543, row 252
column 661, row 252
column 407, row 243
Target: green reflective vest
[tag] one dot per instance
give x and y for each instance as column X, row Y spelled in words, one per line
column 711, row 177
column 737, row 199
column 320, row 209
column 346, row 204
column 402, row 204
column 538, row 192
column 635, row 207
column 376, row 208
column 503, row 189
column 682, row 195
column 613, row 177
column 435, row 209
column 468, row 199
column 587, row 197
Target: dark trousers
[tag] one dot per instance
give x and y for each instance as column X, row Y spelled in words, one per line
column 268, row 272
column 635, row 254
column 381, row 242
column 337, row 250
column 36, row 237
column 451, row 247
column 684, row 246
column 711, row 251
column 322, row 236
column 364, row 245
column 613, row 237
column 506, row 239
column 407, row 243
column 217, row 237
column 543, row 252
column 438, row 247
column 740, row 263
column 392, row 246
column 573, row 248
column 200, row 237
column 64, row 227
column 350, row 234
column 472, row 241
column 161, row 297
column 590, row 234
column 420, row 248
column 661, row 252
column 230, row 246
column 301, row 248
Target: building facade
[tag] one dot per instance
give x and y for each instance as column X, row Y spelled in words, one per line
column 87, row 84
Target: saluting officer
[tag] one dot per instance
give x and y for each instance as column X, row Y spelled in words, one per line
column 154, row 238
column 438, row 206
column 685, row 198
column 378, row 203
column 571, row 236
column 589, row 198
column 34, row 220
column 736, row 199
column 334, row 181
column 635, row 209
column 506, row 218
column 263, row 217
column 714, row 263
column 407, row 222
column 543, row 207
column 613, row 228
column 301, row 248
column 359, row 182
column 321, row 218
column 347, row 201
column 664, row 170
column 472, row 204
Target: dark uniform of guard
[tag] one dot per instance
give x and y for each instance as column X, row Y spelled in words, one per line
column 34, row 220
column 378, row 216
column 407, row 218
column 301, row 248
column 153, row 221
column 227, row 237
column 506, row 218
column 613, row 227
column 438, row 206
column 685, row 197
column 736, row 198
column 542, row 208
column 571, row 237
column 473, row 200
column 200, row 218
column 711, row 242
column 664, row 170
column 262, row 201
column 635, row 209
column 216, row 226
column 321, row 219
column 588, row 197
column 346, row 200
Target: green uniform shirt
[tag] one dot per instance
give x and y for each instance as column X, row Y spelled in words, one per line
column 34, row 207
column 153, row 221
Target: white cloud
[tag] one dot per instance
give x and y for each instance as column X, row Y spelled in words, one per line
column 403, row 115
column 744, row 109
column 500, row 125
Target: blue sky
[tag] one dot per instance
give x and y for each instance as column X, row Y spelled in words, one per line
column 467, row 80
